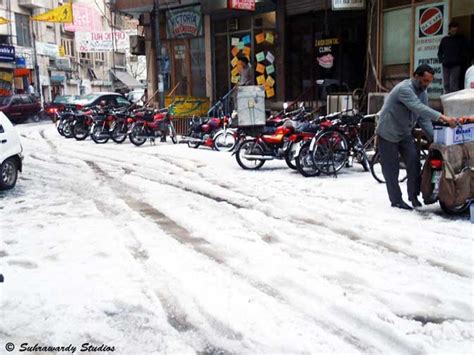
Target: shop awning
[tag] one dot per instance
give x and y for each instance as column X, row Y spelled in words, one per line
column 128, row 80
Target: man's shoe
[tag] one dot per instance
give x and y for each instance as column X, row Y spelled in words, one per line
column 403, row 205
column 415, row 202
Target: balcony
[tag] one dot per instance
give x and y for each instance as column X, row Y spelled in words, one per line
column 31, row 4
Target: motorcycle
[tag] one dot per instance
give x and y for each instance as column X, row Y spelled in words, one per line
column 64, row 122
column 151, row 125
column 211, row 132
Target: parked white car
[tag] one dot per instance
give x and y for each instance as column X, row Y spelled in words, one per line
column 11, row 157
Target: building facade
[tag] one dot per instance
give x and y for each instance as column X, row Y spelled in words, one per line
column 48, row 53
column 295, row 45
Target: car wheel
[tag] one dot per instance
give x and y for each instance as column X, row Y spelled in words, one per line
column 8, row 174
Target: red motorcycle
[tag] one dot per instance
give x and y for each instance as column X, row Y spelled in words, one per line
column 151, row 125
column 211, row 132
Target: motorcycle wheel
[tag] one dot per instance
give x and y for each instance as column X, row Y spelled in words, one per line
column 455, row 210
column 376, row 169
column 119, row 133
column 67, row 129
column 304, row 162
column 224, row 142
column 59, row 128
column 98, row 135
column 290, row 155
column 135, row 136
column 80, row 131
column 249, row 146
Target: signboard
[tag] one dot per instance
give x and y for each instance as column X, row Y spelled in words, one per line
column 431, row 25
column 188, row 106
column 103, row 41
column 63, row 63
column 6, row 82
column 184, row 23
column 85, row 19
column 7, row 53
column 27, row 54
column 47, row 49
column 325, row 52
column 248, row 5
column 348, row 4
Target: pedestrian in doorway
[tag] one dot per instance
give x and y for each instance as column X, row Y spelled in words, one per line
column 246, row 75
column 31, row 89
column 404, row 107
column 453, row 53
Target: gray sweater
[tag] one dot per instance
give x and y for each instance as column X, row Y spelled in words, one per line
column 405, row 106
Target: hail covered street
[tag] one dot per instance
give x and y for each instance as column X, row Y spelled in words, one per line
column 163, row 249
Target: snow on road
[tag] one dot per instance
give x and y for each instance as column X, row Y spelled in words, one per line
column 166, row 249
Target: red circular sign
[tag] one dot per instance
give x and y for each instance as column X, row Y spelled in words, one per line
column 431, row 21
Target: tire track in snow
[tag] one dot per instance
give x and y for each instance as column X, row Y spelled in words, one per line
column 220, row 199
column 164, row 222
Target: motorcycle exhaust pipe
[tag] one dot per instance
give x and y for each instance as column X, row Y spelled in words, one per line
column 258, row 157
column 191, row 140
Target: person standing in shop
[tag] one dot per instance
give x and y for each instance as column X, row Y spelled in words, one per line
column 453, row 53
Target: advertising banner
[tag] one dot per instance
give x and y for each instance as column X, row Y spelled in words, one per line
column 431, row 25
column 188, row 106
column 103, row 41
column 85, row 19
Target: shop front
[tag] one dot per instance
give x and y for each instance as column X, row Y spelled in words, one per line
column 183, row 53
column 324, row 42
column 411, row 34
column 244, row 29
column 7, row 66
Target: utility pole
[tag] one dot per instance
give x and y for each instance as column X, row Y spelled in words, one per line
column 39, row 88
column 159, row 76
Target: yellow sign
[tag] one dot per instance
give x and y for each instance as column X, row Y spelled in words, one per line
column 235, row 71
column 269, row 37
column 261, row 79
column 61, row 14
column 188, row 106
column 270, row 92
column 270, row 81
column 62, row 51
column 4, row 20
column 6, row 76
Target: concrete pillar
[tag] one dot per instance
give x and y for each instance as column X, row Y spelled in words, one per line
column 209, row 57
column 281, row 50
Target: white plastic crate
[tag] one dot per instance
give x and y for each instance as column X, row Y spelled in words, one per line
column 458, row 135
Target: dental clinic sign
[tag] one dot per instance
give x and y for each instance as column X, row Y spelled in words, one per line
column 431, row 25
column 184, row 23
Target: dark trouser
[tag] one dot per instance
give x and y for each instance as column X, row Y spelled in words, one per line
column 390, row 161
column 451, row 77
